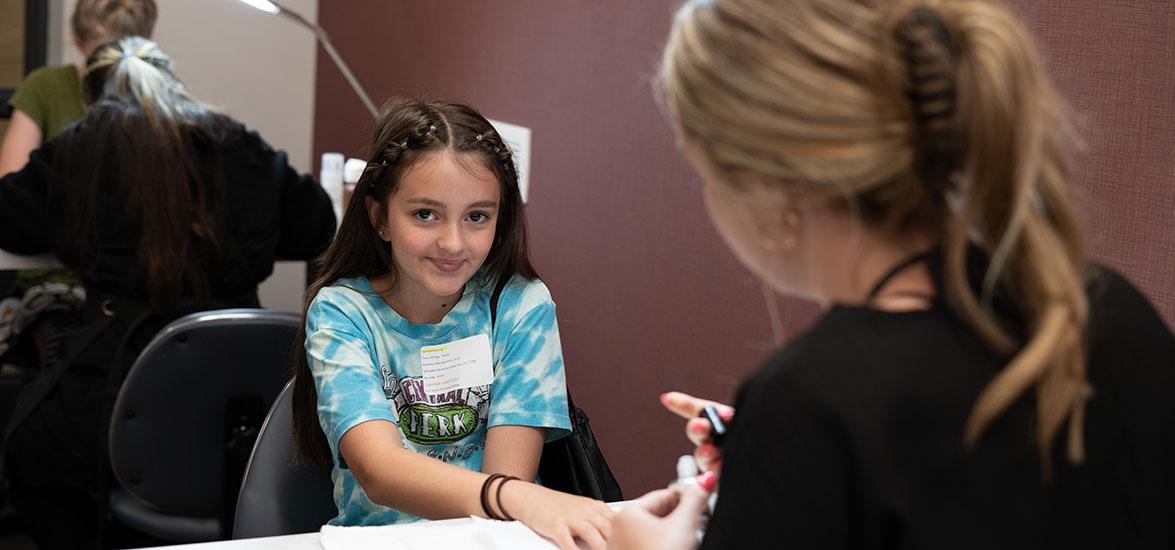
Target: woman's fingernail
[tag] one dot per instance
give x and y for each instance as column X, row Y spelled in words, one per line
column 706, row 481
column 698, row 428
column 706, row 451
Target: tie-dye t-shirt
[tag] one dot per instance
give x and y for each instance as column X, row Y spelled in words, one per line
column 365, row 359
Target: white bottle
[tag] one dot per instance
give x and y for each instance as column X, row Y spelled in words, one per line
column 352, row 171
column 331, row 179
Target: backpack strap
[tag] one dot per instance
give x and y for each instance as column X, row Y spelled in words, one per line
column 498, row 287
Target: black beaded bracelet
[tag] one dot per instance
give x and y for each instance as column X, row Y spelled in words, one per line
column 485, row 494
column 498, row 498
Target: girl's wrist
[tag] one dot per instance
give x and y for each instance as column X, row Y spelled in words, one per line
column 514, row 496
column 491, row 496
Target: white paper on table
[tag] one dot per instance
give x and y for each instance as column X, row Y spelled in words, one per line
column 479, row 533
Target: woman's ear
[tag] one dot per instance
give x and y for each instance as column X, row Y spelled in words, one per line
column 376, row 217
column 772, row 214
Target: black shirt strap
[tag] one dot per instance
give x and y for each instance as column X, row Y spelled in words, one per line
column 895, row 270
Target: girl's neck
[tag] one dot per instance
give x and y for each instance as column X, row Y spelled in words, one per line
column 416, row 305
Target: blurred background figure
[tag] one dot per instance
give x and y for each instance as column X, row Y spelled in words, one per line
column 163, row 206
column 50, row 98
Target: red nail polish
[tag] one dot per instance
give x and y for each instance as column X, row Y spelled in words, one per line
column 707, row 480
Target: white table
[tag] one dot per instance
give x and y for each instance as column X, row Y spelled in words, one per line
column 313, row 541
column 430, row 534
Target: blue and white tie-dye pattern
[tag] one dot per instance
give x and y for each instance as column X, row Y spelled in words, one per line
column 366, row 364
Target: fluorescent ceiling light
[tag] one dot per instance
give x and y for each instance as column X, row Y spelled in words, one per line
column 263, row 5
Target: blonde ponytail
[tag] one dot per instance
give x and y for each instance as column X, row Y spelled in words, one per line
column 819, row 96
column 1017, row 204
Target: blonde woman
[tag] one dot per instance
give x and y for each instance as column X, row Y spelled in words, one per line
column 974, row 382
column 50, row 98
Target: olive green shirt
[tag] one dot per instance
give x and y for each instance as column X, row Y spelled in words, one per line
column 51, row 96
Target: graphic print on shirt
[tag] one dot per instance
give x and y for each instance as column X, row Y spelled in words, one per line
column 435, row 419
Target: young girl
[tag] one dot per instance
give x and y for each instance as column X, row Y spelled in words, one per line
column 432, row 351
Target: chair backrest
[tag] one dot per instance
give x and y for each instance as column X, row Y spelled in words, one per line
column 281, row 495
column 199, row 388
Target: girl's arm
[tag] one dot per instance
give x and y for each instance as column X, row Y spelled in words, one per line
column 529, row 392
column 436, row 490
column 513, row 450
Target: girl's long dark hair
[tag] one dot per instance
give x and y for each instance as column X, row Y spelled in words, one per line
column 408, row 130
column 139, row 135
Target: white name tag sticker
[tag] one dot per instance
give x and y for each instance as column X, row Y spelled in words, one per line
column 457, row 365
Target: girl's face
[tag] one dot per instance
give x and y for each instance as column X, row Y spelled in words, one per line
column 440, row 222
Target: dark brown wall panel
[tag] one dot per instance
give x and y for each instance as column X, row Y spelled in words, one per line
column 649, row 299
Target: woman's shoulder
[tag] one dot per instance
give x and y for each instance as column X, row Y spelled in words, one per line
column 49, row 76
column 851, row 352
column 1122, row 320
column 1107, row 287
column 41, row 93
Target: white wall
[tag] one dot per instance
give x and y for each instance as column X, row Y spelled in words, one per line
column 256, row 67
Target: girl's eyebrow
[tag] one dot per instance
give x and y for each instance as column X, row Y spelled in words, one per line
column 438, row 204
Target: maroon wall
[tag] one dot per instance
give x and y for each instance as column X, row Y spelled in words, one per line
column 649, row 299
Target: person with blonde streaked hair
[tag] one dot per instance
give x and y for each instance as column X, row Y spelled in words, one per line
column 975, row 381
column 163, row 206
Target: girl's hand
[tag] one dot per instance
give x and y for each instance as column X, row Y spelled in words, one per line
column 667, row 519
column 708, row 456
column 559, row 516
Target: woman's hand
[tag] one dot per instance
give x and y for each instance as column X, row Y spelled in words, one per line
column 708, row 456
column 559, row 516
column 667, row 519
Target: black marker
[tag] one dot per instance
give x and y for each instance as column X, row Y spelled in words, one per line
column 717, row 426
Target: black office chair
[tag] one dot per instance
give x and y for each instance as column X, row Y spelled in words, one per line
column 187, row 416
column 281, row 495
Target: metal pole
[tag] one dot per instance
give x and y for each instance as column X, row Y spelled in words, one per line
column 334, row 55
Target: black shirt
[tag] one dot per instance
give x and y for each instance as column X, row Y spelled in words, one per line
column 269, row 211
column 851, row 437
